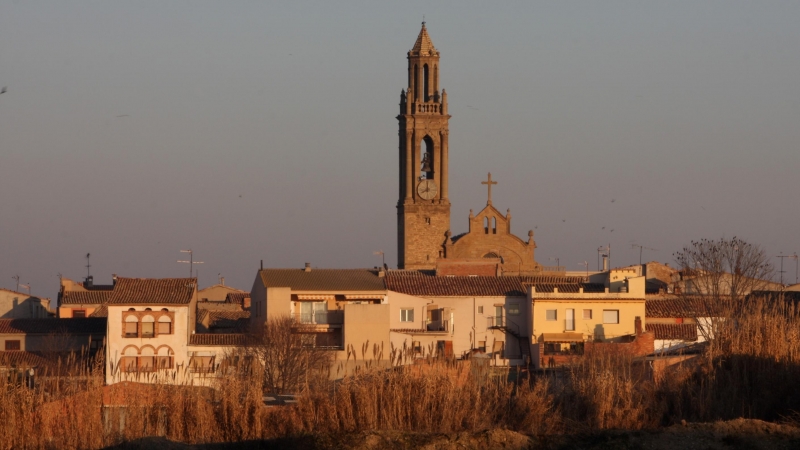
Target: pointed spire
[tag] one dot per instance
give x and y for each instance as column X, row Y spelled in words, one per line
column 424, row 46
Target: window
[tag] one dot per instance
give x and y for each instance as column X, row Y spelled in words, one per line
column 551, row 315
column 164, row 362
column 416, row 347
column 147, row 363
column 78, row 313
column 482, row 346
column 480, row 309
column 407, row 315
column 148, row 329
column 131, row 329
column 513, row 309
column 610, row 316
column 587, row 314
column 13, row 345
column 202, row 364
column 164, row 325
column 128, row 364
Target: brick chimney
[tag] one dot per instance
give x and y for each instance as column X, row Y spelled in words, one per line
column 637, row 325
column 307, row 268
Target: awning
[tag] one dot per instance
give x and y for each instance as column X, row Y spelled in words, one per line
column 363, row 297
column 316, row 297
column 562, row 337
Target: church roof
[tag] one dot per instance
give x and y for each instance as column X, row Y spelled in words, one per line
column 323, row 279
column 422, row 283
column 424, row 45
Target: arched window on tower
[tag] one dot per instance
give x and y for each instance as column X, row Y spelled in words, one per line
column 485, row 225
column 494, row 225
column 416, row 82
column 426, row 157
column 426, row 77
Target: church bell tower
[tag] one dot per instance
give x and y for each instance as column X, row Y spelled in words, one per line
column 423, row 209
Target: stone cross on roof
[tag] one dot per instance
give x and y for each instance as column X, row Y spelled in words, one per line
column 489, row 183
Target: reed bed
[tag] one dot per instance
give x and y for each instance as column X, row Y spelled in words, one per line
column 749, row 372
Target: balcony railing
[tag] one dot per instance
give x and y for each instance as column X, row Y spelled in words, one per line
column 320, row 318
column 437, row 325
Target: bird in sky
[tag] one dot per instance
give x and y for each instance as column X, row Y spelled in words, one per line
column 613, row 200
column 3, row 91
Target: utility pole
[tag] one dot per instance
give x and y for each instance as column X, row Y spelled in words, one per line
column 642, row 247
column 191, row 261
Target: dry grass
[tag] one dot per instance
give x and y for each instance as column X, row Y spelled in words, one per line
column 751, row 373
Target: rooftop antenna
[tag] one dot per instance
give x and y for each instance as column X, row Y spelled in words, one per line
column 782, row 257
column 557, row 260
column 88, row 266
column 642, row 247
column 191, row 261
column 383, row 257
column 586, row 265
column 16, row 277
column 26, row 286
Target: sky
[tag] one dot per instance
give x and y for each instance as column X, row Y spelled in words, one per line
column 251, row 131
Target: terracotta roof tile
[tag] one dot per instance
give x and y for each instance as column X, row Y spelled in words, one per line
column 323, row 279
column 22, row 359
column 229, row 319
column 673, row 331
column 85, row 297
column 236, row 297
column 217, row 339
column 46, row 326
column 102, row 311
column 423, row 283
column 152, row 291
column 677, row 307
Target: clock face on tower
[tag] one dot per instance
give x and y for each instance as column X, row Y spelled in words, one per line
column 427, row 189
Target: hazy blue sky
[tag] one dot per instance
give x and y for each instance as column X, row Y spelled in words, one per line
column 256, row 130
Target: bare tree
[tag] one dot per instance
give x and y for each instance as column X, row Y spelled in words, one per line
column 724, row 268
column 288, row 355
column 716, row 277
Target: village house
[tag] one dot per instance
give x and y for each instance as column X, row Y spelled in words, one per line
column 78, row 300
column 17, row 305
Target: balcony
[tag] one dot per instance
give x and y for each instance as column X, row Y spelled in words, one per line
column 320, row 318
column 441, row 326
column 501, row 323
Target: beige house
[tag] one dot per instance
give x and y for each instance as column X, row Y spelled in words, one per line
column 17, row 305
column 51, row 335
column 565, row 317
column 336, row 308
column 216, row 293
column 78, row 300
column 150, row 323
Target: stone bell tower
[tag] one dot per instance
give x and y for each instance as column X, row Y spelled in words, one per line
column 423, row 209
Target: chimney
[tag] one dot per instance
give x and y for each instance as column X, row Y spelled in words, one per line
column 381, row 272
column 114, row 279
column 89, row 283
column 637, row 325
column 605, row 262
column 307, row 268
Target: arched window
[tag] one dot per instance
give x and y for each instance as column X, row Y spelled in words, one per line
column 426, row 158
column 426, row 85
column 494, row 225
column 128, row 361
column 131, row 326
column 164, row 325
column 147, row 359
column 164, row 358
column 486, row 225
column 416, row 82
column 491, row 255
column 148, row 326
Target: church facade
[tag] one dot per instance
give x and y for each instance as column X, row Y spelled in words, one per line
column 424, row 239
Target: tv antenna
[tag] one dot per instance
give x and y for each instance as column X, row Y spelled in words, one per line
column 191, row 261
column 88, row 265
column 586, row 265
column 26, row 286
column 782, row 257
column 642, row 247
column 383, row 257
column 16, row 277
